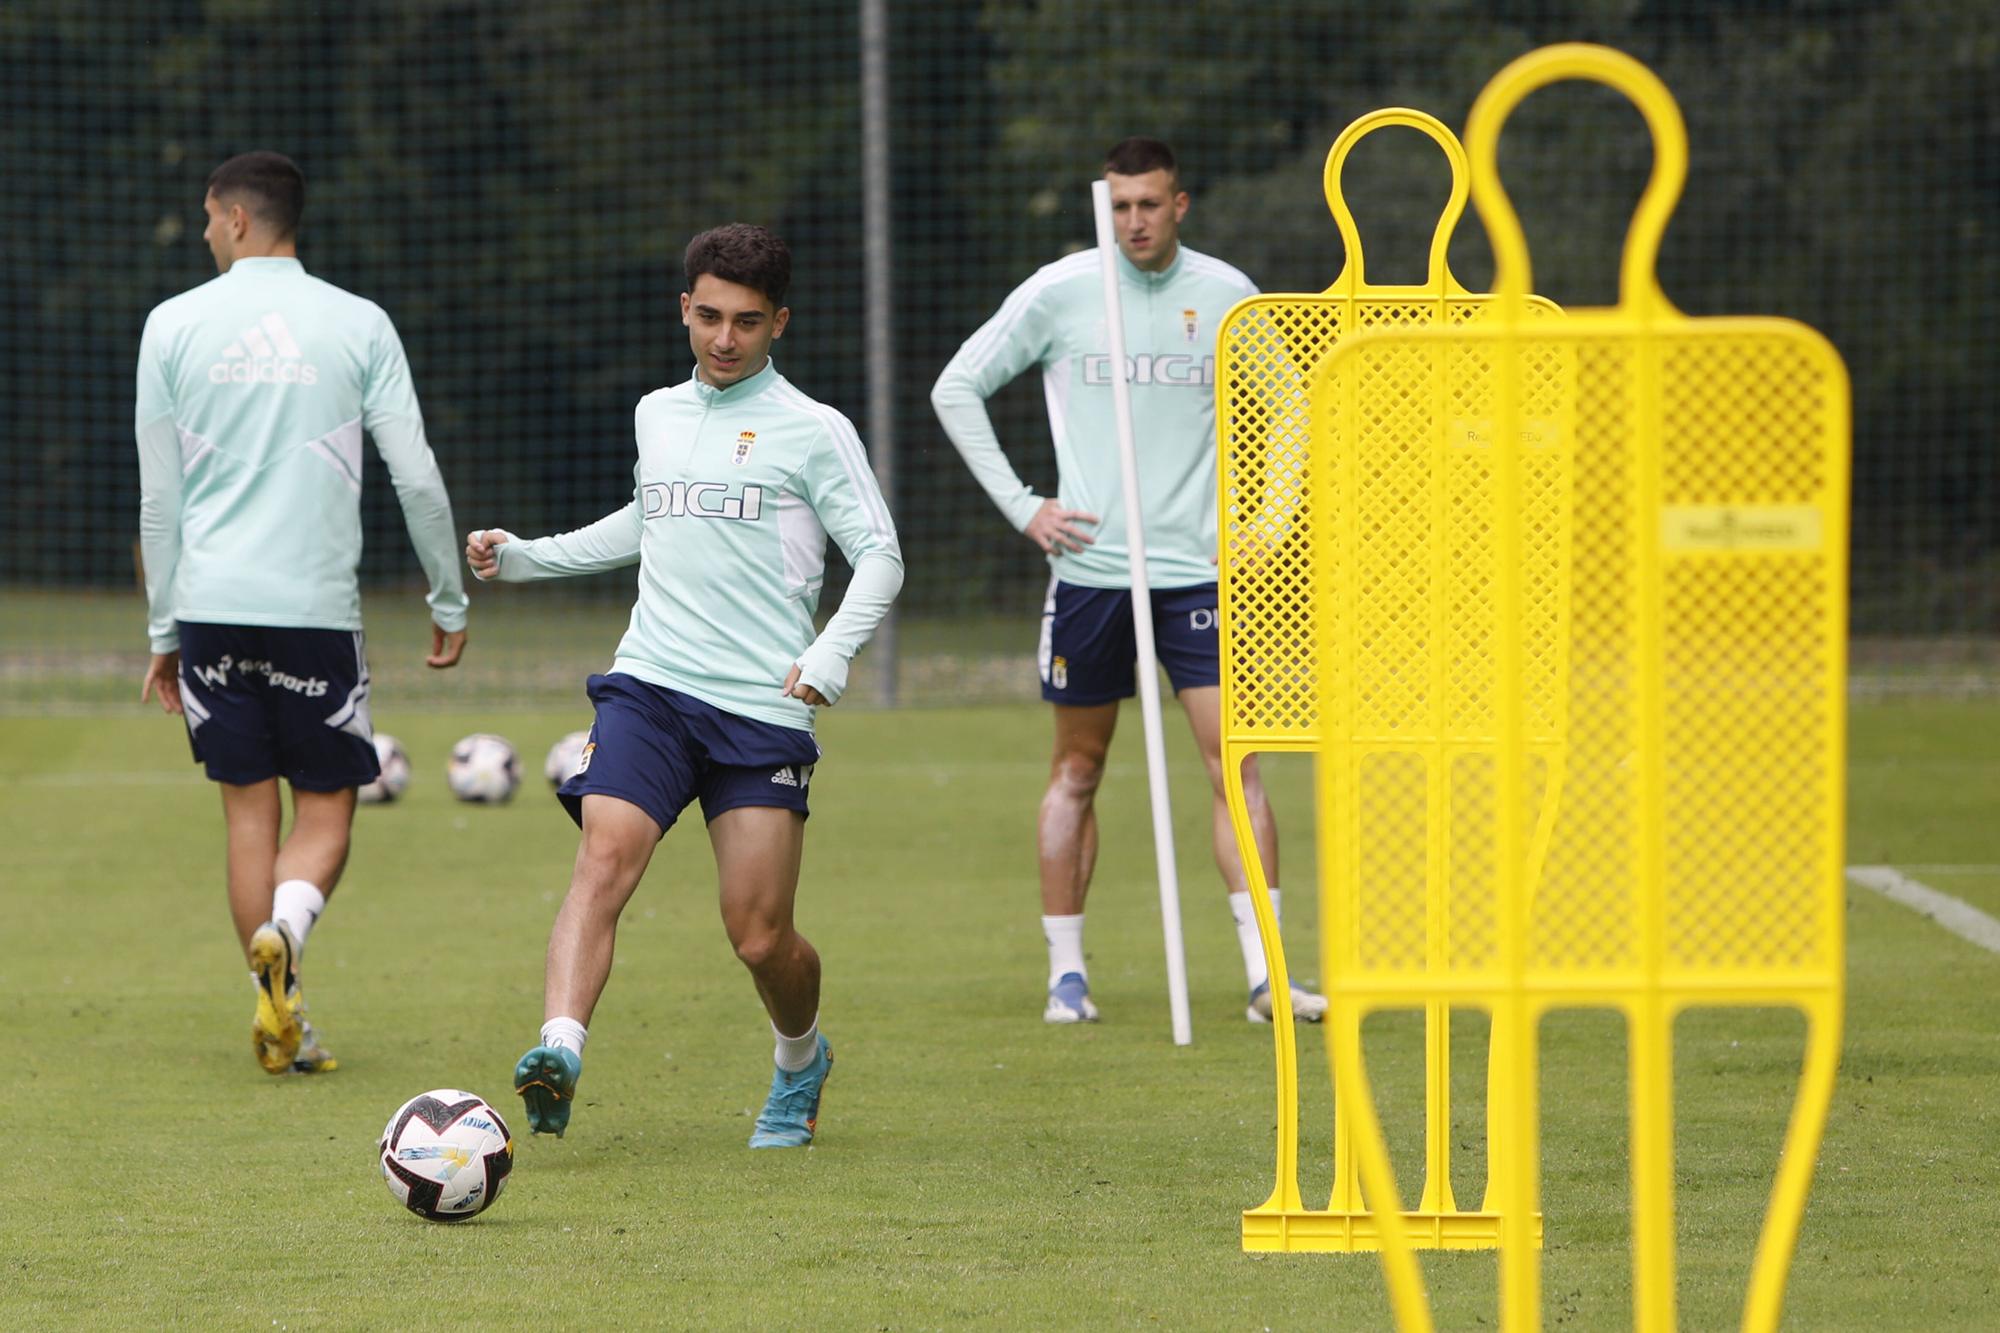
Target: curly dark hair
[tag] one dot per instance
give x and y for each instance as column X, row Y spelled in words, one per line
column 744, row 253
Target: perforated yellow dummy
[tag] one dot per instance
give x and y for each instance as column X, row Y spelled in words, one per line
column 1693, row 857
column 1273, row 666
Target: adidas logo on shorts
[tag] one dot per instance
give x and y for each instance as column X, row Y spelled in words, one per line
column 264, row 353
column 792, row 775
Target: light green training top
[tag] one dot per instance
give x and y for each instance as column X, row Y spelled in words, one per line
column 254, row 390
column 733, row 497
column 1056, row 320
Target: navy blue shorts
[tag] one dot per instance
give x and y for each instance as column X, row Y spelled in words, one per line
column 661, row 749
column 263, row 702
column 1088, row 649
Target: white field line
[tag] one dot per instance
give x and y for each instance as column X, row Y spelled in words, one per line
column 1960, row 918
column 1950, row 870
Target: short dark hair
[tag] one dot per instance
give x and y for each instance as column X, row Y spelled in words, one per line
column 745, row 253
column 1137, row 156
column 269, row 185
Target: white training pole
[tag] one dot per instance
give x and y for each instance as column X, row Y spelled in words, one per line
column 1142, row 622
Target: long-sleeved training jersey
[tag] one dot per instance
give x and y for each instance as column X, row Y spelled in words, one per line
column 254, row 390
column 1056, row 320
column 734, row 495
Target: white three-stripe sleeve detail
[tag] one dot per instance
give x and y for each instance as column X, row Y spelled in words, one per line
column 846, row 446
column 849, row 505
column 1018, row 336
column 999, row 332
column 1211, row 267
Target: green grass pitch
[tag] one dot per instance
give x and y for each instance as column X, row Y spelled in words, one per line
column 975, row 1169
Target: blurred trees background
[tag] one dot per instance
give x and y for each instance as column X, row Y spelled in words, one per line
column 515, row 182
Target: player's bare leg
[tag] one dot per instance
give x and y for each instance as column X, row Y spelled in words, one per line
column 307, row 869
column 1203, row 704
column 1066, row 829
column 1066, row 847
column 616, row 847
column 757, row 855
column 276, row 891
column 611, row 858
column 322, row 831
column 252, row 817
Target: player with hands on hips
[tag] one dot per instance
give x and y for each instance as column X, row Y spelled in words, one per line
column 1174, row 299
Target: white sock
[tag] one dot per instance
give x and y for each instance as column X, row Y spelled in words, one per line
column 1247, row 937
column 295, row 905
column 565, row 1032
column 795, row 1053
column 1065, row 937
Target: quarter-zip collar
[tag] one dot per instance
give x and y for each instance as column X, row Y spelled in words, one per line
column 255, row 264
column 1152, row 282
column 746, row 388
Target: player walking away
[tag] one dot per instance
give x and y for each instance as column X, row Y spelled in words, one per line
column 1174, row 300
column 739, row 481
column 254, row 391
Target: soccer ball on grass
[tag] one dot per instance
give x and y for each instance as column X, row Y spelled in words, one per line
column 395, row 772
column 484, row 768
column 445, row 1154
column 565, row 758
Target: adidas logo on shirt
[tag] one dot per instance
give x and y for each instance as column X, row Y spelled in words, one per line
column 264, row 353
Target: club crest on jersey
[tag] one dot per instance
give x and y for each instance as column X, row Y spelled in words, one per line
column 1190, row 324
column 744, row 440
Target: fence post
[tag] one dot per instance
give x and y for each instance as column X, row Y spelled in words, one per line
column 877, row 270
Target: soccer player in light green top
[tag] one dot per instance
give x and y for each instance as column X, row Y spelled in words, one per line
column 740, row 480
column 1174, row 300
column 254, row 391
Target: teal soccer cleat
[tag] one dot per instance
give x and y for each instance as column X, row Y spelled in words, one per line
column 546, row 1080
column 791, row 1112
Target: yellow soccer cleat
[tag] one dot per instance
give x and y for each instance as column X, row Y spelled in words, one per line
column 275, row 1031
column 312, row 1058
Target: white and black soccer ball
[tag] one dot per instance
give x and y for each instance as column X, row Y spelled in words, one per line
column 484, row 768
column 395, row 772
column 565, row 759
column 445, row 1154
